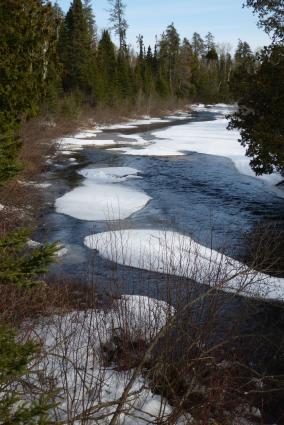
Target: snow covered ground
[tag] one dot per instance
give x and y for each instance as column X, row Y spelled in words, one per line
column 72, row 360
column 173, row 253
column 134, row 123
column 102, row 196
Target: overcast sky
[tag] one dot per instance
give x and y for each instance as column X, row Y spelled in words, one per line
column 226, row 19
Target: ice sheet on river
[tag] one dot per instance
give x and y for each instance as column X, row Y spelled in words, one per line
column 173, row 253
column 102, row 196
column 205, row 137
column 109, row 174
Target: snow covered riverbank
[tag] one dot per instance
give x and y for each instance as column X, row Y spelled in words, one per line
column 73, row 358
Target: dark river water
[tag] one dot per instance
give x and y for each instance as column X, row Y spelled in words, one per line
column 203, row 196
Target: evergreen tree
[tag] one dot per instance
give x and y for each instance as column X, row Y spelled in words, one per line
column 261, row 109
column 91, row 20
column 209, row 42
column 169, row 52
column 244, row 56
column 22, row 266
column 259, row 89
column 15, row 409
column 75, row 49
column 27, row 47
column 118, row 20
column 198, row 45
column 271, row 17
column 185, row 87
column 19, row 264
column 106, row 70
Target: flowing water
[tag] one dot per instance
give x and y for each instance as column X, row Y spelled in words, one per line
column 204, row 196
column 201, row 195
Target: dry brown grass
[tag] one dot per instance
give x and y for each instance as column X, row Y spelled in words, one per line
column 18, row 304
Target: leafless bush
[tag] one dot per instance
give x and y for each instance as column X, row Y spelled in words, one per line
column 139, row 360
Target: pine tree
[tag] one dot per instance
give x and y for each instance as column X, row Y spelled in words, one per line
column 15, row 409
column 20, row 265
column 106, row 70
column 271, row 17
column 75, row 49
column 23, row 267
column 28, row 43
column 169, row 51
column 198, row 45
column 92, row 27
column 260, row 114
column 209, row 42
column 259, row 88
column 118, row 21
column 184, row 70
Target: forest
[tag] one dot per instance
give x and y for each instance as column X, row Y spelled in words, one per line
column 60, row 74
column 54, row 64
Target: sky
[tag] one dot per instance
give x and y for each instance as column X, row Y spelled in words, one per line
column 226, row 19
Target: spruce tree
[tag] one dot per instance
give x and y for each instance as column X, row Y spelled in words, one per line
column 15, row 407
column 185, row 87
column 75, row 49
column 198, row 45
column 92, row 27
column 169, row 51
column 28, row 43
column 118, row 21
column 259, row 89
column 106, row 70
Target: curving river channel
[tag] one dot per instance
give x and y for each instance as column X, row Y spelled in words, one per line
column 184, row 173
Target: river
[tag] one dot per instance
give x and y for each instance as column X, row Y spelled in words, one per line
column 212, row 198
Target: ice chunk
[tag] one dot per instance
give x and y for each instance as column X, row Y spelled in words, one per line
column 94, row 201
column 109, row 174
column 173, row 253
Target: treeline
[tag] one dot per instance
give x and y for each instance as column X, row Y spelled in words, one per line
column 109, row 75
column 53, row 62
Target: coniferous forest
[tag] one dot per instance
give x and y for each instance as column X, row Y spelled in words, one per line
column 76, row 354
column 51, row 62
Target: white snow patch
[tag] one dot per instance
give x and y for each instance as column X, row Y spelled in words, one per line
column 134, row 123
column 136, row 140
column 2, row 207
column 33, row 244
column 172, row 253
column 73, row 143
column 109, row 174
column 72, row 360
column 100, row 199
column 206, row 137
column 86, row 134
column 219, row 108
column 34, row 184
column 101, row 202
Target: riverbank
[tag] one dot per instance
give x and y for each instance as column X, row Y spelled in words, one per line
column 21, row 200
